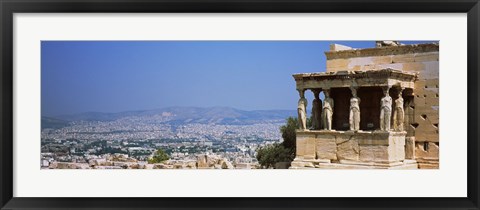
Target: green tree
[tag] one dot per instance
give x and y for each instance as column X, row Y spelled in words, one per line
column 288, row 132
column 268, row 155
column 158, row 157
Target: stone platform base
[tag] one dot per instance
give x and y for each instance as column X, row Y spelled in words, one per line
column 428, row 164
column 326, row 164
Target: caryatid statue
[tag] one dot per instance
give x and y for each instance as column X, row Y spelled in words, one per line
column 316, row 111
column 327, row 110
column 385, row 111
column 354, row 119
column 399, row 114
column 301, row 109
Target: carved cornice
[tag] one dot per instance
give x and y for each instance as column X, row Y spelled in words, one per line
column 383, row 51
column 371, row 78
column 342, row 75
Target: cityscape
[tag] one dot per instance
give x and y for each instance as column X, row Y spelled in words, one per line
column 129, row 141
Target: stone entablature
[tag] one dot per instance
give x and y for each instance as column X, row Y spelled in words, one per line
column 373, row 78
column 383, row 51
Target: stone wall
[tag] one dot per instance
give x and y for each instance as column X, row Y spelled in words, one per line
column 327, row 149
column 422, row 123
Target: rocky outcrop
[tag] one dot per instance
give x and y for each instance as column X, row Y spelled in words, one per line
column 65, row 165
column 213, row 161
column 121, row 161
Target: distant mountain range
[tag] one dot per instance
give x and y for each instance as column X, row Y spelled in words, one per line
column 177, row 115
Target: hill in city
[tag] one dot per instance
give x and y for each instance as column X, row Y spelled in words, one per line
column 49, row 122
column 178, row 115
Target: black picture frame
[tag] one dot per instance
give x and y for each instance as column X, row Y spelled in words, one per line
column 9, row 7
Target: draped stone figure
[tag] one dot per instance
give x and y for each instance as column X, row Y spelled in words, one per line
column 316, row 111
column 399, row 114
column 327, row 111
column 385, row 111
column 302, row 114
column 354, row 119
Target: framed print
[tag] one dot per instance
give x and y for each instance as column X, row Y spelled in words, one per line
column 239, row 105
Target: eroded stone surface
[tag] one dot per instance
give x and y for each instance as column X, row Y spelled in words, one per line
column 426, row 150
column 410, row 148
column 348, row 150
column 326, row 147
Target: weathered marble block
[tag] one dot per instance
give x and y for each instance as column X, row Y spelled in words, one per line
column 362, row 146
column 326, row 148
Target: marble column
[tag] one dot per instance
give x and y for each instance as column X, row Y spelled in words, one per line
column 327, row 110
column 301, row 109
column 399, row 112
column 385, row 110
column 354, row 118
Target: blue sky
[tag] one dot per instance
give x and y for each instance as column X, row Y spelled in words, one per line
column 115, row 76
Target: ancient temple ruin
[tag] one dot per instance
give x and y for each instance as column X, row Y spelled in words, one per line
column 380, row 109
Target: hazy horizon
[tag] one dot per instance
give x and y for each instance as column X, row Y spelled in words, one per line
column 139, row 110
column 120, row 76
